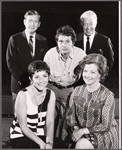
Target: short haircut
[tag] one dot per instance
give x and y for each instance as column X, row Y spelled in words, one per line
column 93, row 58
column 30, row 13
column 66, row 31
column 88, row 14
column 37, row 66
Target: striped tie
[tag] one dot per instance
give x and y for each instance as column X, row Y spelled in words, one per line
column 31, row 44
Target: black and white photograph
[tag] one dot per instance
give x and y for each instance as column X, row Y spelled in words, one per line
column 60, row 74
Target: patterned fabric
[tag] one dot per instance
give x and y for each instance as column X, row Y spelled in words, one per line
column 33, row 117
column 95, row 111
column 90, row 137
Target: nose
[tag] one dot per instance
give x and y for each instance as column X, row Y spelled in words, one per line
column 40, row 79
column 32, row 23
column 88, row 26
column 87, row 74
column 64, row 44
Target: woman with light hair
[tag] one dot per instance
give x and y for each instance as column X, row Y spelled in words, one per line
column 91, row 107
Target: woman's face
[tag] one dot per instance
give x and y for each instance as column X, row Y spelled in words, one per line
column 40, row 79
column 90, row 74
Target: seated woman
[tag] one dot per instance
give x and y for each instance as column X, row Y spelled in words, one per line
column 91, row 107
column 33, row 125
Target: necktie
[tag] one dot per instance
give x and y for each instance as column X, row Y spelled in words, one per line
column 31, row 44
column 87, row 45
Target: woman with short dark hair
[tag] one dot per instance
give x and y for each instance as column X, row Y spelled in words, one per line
column 33, row 125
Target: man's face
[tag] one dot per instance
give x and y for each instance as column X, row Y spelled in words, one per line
column 31, row 23
column 65, row 44
column 89, row 25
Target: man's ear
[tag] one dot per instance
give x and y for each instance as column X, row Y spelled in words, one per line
column 39, row 24
column 24, row 21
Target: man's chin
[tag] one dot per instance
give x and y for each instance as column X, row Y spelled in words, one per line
column 88, row 34
column 32, row 31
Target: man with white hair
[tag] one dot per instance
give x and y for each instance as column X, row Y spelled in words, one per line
column 93, row 42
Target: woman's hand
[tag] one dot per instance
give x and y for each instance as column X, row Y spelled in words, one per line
column 77, row 134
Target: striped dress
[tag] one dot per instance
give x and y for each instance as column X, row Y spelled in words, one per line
column 33, row 117
column 95, row 111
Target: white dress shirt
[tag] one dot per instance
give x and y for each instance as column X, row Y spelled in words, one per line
column 91, row 38
column 62, row 72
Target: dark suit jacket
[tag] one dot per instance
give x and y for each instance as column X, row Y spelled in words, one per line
column 101, row 44
column 18, row 56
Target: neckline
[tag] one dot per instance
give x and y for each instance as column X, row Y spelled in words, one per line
column 94, row 90
column 34, row 96
column 33, row 91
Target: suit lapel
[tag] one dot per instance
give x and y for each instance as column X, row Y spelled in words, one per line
column 94, row 42
column 36, row 44
column 82, row 45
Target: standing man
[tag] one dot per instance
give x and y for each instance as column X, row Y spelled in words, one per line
column 62, row 60
column 23, row 48
column 93, row 42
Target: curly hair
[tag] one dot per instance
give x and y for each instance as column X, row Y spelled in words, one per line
column 93, row 58
column 66, row 31
column 37, row 66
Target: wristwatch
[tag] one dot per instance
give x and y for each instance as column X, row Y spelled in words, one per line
column 51, row 144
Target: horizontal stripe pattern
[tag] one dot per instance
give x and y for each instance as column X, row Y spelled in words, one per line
column 34, row 122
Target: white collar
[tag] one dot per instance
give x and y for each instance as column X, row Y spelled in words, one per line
column 28, row 35
column 91, row 37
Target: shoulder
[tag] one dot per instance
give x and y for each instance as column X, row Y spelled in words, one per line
column 17, row 35
column 52, row 94
column 21, row 97
column 79, row 89
column 79, row 36
column 101, row 36
column 51, row 51
column 22, row 93
column 79, row 51
column 107, row 92
column 40, row 37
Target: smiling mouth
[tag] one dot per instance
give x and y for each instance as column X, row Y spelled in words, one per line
column 87, row 79
column 40, row 84
column 32, row 28
column 88, row 31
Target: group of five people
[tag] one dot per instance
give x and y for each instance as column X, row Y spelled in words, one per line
column 66, row 73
